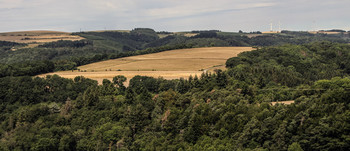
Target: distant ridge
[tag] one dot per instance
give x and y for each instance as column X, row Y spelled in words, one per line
column 36, row 32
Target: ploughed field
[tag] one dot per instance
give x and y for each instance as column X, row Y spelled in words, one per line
column 171, row 64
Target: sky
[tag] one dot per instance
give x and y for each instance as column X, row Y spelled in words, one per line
column 174, row 15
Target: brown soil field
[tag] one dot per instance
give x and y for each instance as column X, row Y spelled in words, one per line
column 172, row 64
column 34, row 38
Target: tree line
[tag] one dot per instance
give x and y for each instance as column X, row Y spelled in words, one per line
column 67, row 43
column 10, row 44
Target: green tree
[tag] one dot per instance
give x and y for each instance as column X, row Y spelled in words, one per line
column 295, row 147
column 107, row 88
column 119, row 81
column 130, row 96
column 91, row 96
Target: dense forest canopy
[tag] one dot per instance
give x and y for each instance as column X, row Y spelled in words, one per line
column 9, row 44
column 300, row 64
column 224, row 110
column 67, row 43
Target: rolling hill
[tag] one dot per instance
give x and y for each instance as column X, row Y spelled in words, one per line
column 168, row 64
column 35, row 38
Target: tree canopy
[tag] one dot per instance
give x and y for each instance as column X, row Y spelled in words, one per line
column 223, row 110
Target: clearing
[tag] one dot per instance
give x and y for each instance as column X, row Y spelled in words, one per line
column 172, row 64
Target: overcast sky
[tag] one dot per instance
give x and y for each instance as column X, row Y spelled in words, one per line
column 173, row 15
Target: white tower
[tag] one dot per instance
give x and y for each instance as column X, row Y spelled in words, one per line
column 271, row 26
column 279, row 26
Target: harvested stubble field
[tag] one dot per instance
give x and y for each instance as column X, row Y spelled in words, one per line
column 34, row 38
column 172, row 64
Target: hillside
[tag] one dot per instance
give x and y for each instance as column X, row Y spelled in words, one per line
column 35, row 38
column 143, row 38
column 171, row 64
column 291, row 97
column 95, row 46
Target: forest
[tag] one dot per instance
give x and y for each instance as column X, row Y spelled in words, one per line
column 224, row 110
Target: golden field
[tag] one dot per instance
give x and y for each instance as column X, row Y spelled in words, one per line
column 172, row 64
column 35, row 38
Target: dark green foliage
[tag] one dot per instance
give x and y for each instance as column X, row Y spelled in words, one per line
column 206, row 35
column 224, row 110
column 228, row 121
column 292, row 38
column 205, row 31
column 291, row 65
column 130, row 96
column 90, row 97
column 10, row 44
column 144, row 34
column 26, row 68
column 121, row 41
column 137, row 83
column 334, row 30
column 295, row 147
column 28, row 90
column 119, row 81
column 67, row 43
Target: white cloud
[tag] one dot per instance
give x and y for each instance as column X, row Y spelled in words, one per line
column 23, row 4
column 169, row 14
column 10, row 4
column 186, row 10
column 111, row 5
